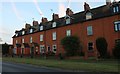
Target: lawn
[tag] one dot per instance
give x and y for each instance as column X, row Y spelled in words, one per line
column 91, row 65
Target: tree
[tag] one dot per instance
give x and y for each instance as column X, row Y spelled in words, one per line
column 116, row 50
column 71, row 44
column 101, row 45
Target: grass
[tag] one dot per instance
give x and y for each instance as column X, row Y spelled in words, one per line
column 82, row 65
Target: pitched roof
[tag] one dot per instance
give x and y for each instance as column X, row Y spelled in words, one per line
column 99, row 12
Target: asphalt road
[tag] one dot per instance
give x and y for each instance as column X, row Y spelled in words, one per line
column 15, row 67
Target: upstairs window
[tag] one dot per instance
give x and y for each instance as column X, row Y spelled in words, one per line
column 41, row 37
column 41, row 28
column 54, row 24
column 89, row 30
column 31, row 30
column 54, row 48
column 68, row 33
column 23, row 32
column 16, row 41
column 22, row 40
column 117, row 26
column 88, row 15
column 116, row 9
column 67, row 19
column 30, row 39
column 16, row 34
column 54, row 35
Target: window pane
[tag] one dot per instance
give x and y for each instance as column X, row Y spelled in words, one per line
column 116, row 27
column 68, row 21
column 54, row 35
column 54, row 24
column 114, row 9
column 41, row 37
column 68, row 32
column 89, row 30
column 117, row 9
column 119, row 26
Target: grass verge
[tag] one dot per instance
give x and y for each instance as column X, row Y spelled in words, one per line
column 77, row 65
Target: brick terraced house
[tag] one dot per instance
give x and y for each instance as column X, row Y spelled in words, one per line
column 88, row 25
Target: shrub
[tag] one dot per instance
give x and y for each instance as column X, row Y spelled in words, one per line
column 71, row 44
column 101, row 45
column 116, row 50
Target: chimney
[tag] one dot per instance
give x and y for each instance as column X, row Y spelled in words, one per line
column 44, row 20
column 86, row 7
column 69, row 11
column 55, row 16
column 35, row 23
column 27, row 26
column 108, row 2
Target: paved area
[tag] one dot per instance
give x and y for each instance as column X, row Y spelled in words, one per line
column 15, row 67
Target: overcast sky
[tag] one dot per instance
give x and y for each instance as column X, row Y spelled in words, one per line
column 15, row 13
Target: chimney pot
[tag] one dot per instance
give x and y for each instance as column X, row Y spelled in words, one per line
column 55, row 16
column 44, row 20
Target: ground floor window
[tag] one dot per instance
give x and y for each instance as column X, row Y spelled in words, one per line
column 42, row 49
column 90, row 46
column 54, row 48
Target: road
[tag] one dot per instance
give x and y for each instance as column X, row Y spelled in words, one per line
column 15, row 67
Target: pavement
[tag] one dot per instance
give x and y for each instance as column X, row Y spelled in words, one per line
column 15, row 67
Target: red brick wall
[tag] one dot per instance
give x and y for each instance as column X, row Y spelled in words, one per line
column 103, row 27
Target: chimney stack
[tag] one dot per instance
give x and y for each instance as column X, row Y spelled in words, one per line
column 55, row 16
column 86, row 7
column 108, row 2
column 44, row 20
column 27, row 26
column 69, row 11
column 35, row 23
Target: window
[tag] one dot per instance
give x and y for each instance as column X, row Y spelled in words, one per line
column 88, row 15
column 90, row 46
column 68, row 33
column 16, row 34
column 54, row 24
column 89, row 30
column 42, row 49
column 23, row 32
column 116, row 9
column 54, row 48
column 41, row 28
column 30, row 39
column 68, row 21
column 41, row 37
column 117, row 26
column 54, row 35
column 22, row 40
column 31, row 30
column 16, row 41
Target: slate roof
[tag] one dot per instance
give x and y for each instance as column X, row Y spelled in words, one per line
column 99, row 12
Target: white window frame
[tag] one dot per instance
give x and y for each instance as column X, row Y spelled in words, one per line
column 42, row 48
column 30, row 39
column 54, row 47
column 31, row 30
column 91, row 46
column 16, row 41
column 23, row 40
column 68, row 32
column 88, row 15
column 116, row 9
column 41, row 37
column 23, row 32
column 67, row 20
column 89, row 30
column 54, row 24
column 54, row 35
column 16, row 34
column 41, row 28
column 117, row 26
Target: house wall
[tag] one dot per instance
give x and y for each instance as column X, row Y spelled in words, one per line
column 102, row 27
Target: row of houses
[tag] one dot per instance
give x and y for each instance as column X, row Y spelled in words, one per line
column 88, row 25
